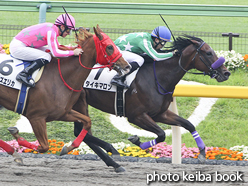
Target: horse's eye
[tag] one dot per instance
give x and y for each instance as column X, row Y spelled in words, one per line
column 209, row 53
column 110, row 47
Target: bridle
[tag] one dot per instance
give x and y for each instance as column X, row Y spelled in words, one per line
column 212, row 72
column 102, row 57
column 211, row 67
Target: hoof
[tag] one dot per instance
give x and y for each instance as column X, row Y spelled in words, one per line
column 120, row 169
column 64, row 151
column 13, row 130
column 135, row 140
column 19, row 161
column 18, row 158
column 202, row 156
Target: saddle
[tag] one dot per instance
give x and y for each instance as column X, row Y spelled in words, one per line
column 9, row 68
column 99, row 79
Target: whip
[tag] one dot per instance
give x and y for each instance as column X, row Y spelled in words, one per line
column 71, row 22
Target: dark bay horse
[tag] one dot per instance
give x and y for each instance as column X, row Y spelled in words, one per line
column 150, row 94
column 59, row 88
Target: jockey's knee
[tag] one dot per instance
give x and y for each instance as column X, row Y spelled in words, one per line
column 161, row 137
column 46, row 56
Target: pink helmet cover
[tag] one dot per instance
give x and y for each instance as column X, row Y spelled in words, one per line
column 66, row 20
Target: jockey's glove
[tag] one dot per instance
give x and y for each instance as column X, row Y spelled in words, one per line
column 176, row 53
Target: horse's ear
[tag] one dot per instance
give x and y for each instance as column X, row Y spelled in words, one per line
column 98, row 28
column 195, row 42
column 97, row 32
column 80, row 29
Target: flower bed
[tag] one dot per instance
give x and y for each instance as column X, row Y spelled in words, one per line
column 4, row 48
column 233, row 60
column 237, row 153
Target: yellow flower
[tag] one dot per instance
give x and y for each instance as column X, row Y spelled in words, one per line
column 120, row 151
column 127, row 154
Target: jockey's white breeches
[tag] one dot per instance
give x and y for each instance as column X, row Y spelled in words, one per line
column 132, row 57
column 20, row 51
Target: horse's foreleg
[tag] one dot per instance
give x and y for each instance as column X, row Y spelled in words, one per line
column 74, row 116
column 89, row 138
column 40, row 131
column 146, row 122
column 91, row 142
column 108, row 160
column 171, row 118
column 106, row 146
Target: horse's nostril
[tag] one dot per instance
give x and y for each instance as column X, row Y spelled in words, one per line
column 227, row 74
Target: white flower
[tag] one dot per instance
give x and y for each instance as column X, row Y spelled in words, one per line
column 242, row 149
column 85, row 149
column 233, row 60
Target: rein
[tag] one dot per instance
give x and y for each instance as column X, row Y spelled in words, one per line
column 68, row 86
column 80, row 62
column 64, row 80
column 103, row 66
column 158, row 84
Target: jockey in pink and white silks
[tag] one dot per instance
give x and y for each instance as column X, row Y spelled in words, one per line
column 31, row 43
column 133, row 44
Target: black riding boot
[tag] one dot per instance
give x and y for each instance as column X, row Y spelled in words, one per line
column 119, row 80
column 23, row 76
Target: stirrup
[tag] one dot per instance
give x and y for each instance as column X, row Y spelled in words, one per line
column 119, row 84
column 28, row 82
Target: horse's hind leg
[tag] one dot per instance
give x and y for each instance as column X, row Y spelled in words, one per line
column 171, row 118
column 11, row 151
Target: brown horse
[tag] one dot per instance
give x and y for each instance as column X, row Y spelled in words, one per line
column 60, row 85
column 150, row 94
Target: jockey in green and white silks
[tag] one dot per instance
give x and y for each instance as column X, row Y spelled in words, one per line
column 133, row 44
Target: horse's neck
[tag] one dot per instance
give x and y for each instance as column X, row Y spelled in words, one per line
column 72, row 72
column 169, row 73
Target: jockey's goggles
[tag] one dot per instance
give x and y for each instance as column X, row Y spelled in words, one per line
column 68, row 31
column 161, row 42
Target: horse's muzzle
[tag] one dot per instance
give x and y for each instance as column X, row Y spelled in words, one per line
column 219, row 73
column 220, row 77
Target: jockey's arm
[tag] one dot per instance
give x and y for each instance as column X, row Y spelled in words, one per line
column 53, row 45
column 147, row 47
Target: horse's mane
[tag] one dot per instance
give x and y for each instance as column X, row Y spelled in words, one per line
column 183, row 41
column 83, row 35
